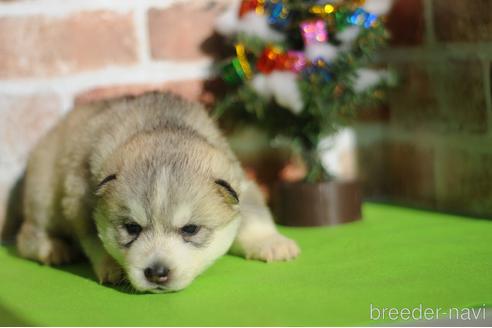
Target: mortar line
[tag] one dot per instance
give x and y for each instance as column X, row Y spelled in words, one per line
column 457, row 51
column 479, row 143
column 430, row 35
column 486, row 71
column 153, row 73
column 142, row 33
column 60, row 8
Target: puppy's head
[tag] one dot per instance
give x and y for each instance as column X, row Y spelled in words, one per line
column 165, row 225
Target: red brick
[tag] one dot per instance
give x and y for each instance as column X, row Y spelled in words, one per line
column 463, row 21
column 371, row 167
column 414, row 102
column 181, row 31
column 406, row 22
column 465, row 180
column 191, row 90
column 444, row 95
column 110, row 92
column 409, row 175
column 463, row 102
column 37, row 46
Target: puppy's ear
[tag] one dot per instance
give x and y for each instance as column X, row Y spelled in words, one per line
column 229, row 194
column 100, row 186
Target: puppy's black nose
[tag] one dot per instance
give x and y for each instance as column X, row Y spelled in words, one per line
column 158, row 274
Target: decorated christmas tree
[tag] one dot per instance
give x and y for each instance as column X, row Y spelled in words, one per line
column 300, row 68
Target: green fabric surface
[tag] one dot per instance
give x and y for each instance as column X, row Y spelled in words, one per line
column 395, row 257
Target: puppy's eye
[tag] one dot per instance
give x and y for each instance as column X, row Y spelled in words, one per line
column 190, row 230
column 133, row 229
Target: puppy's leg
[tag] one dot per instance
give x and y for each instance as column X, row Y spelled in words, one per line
column 77, row 192
column 35, row 239
column 105, row 267
column 34, row 242
column 257, row 237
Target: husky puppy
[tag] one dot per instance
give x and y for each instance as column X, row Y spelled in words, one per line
column 148, row 190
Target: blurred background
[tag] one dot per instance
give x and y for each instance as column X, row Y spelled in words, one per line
column 430, row 146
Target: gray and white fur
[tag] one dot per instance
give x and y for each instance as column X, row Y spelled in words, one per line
column 148, row 190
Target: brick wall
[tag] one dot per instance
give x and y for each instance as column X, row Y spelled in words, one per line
column 432, row 145
column 54, row 53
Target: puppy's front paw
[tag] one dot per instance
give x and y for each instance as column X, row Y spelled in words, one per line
column 34, row 243
column 108, row 271
column 272, row 248
column 53, row 251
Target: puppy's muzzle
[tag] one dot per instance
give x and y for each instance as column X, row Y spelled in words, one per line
column 157, row 274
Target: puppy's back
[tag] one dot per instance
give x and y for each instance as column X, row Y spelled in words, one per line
column 120, row 119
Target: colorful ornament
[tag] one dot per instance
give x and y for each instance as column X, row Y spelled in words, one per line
column 233, row 73
column 322, row 10
column 341, row 21
column 293, row 61
column 296, row 61
column 243, row 60
column 314, row 32
column 267, row 61
column 318, row 71
column 279, row 16
column 274, row 59
column 274, row 66
column 362, row 18
column 251, row 5
column 304, row 56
